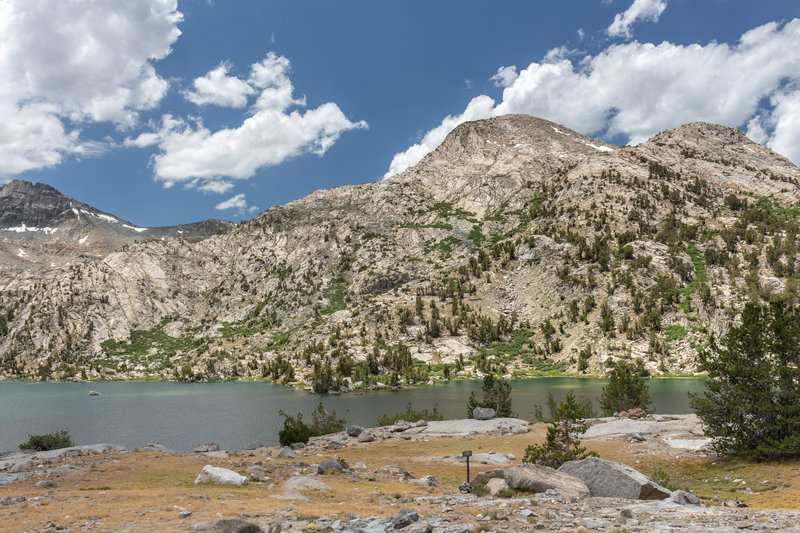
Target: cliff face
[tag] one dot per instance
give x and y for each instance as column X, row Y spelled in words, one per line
column 518, row 246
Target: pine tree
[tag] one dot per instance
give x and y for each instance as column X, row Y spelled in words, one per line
column 561, row 443
column 626, row 388
column 496, row 395
column 751, row 405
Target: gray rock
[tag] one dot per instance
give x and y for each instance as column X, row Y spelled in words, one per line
column 46, row 484
column 253, row 446
column 184, row 513
column 420, row 424
column 404, row 518
column 286, row 453
column 220, row 476
column 614, row 480
column 329, row 465
column 301, row 483
column 537, row 478
column 21, row 466
column 207, row 447
column 395, row 470
column 227, row 525
column 483, row 413
column 7, row 479
column 684, row 498
column 159, row 448
column 426, row 481
column 366, row 436
column 354, row 431
column 497, row 485
column 255, row 469
column 297, row 446
column 401, row 425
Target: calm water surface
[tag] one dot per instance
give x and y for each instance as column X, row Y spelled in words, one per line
column 182, row 415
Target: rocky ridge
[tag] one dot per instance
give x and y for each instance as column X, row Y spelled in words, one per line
column 518, row 247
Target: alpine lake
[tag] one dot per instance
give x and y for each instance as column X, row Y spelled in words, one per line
column 235, row 414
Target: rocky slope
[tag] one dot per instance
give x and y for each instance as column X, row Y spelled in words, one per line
column 40, row 228
column 518, row 246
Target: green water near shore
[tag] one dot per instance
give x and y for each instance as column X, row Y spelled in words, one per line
column 234, row 414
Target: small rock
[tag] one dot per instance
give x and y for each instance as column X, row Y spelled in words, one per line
column 366, row 436
column 300, row 483
column 253, row 446
column 207, row 447
column 329, row 465
column 395, row 470
column 94, row 393
column 286, row 453
column 46, row 484
column 184, row 514
column 297, row 445
column 483, row 413
column 404, row 518
column 401, row 425
column 354, row 431
column 636, row 413
column 359, row 466
column 420, row 424
column 426, row 481
column 684, row 498
column 255, row 469
column 220, row 476
column 636, row 437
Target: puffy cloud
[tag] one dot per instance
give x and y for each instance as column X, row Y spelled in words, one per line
column 217, row 88
column 648, row 10
column 635, row 90
column 271, row 134
column 235, row 202
column 216, row 186
column 505, row 76
column 77, row 61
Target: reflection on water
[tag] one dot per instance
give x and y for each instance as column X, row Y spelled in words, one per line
column 182, row 415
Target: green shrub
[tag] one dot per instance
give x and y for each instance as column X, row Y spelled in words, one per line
column 324, row 423
column 496, row 395
column 626, row 388
column 294, row 430
column 410, row 415
column 48, row 441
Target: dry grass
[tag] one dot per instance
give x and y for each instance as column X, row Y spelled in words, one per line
column 144, row 491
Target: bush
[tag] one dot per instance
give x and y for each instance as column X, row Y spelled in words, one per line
column 48, row 441
column 585, row 405
column 410, row 415
column 561, row 443
column 626, row 388
column 294, row 430
column 323, row 422
column 496, row 395
column 751, row 405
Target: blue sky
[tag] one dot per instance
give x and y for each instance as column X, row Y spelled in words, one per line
column 166, row 112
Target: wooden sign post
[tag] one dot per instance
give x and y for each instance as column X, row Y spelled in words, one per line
column 467, row 454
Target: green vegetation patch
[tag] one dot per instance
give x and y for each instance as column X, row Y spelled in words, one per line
column 335, row 296
column 675, row 332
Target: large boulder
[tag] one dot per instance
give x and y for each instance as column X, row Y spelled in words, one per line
column 220, row 476
column 286, row 453
column 684, row 498
column 614, row 480
column 483, row 413
column 497, row 485
column 366, row 436
column 329, row 465
column 536, row 478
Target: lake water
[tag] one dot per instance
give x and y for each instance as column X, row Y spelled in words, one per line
column 182, row 415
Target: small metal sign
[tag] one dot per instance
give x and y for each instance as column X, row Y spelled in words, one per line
column 467, row 454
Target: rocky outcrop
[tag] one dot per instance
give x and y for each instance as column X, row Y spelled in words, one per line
column 536, row 478
column 609, row 479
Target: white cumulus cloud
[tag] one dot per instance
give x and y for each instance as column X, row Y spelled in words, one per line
column 640, row 10
column 272, row 133
column 63, row 64
column 234, row 202
column 217, row 88
column 505, row 76
column 635, row 90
